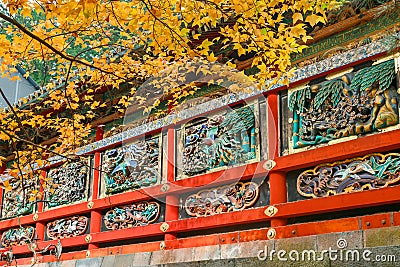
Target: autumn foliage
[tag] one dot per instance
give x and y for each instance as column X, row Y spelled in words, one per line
column 88, row 45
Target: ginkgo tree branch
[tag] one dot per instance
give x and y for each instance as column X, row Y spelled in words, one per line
column 13, row 111
column 69, row 158
column 52, row 48
column 172, row 31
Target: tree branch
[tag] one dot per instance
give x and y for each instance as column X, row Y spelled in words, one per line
column 46, row 44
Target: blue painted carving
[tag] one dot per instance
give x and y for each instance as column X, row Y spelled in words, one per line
column 357, row 103
column 20, row 200
column 136, row 214
column 17, row 236
column 131, row 166
column 221, row 140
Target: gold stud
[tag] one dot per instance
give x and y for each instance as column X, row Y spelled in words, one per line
column 164, row 227
column 269, row 164
column 271, row 234
column 88, row 238
column 90, row 204
column 270, row 211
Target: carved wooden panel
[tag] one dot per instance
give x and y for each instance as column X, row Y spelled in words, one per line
column 224, row 139
column 136, row 214
column 67, row 184
column 222, row 199
column 357, row 174
column 17, row 236
column 20, row 200
column 359, row 102
column 131, row 166
column 67, row 227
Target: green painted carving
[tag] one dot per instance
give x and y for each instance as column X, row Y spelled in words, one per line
column 356, row 103
column 131, row 166
column 220, row 140
column 358, row 174
column 20, row 200
column 17, row 236
column 137, row 214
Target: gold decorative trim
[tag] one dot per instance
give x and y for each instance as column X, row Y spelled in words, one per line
column 88, row 238
column 271, row 234
column 271, row 211
column 90, row 204
column 164, row 227
column 269, row 164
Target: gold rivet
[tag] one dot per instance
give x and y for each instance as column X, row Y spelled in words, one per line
column 162, row 245
column 270, row 211
column 164, row 188
column 164, row 227
column 271, row 234
column 88, row 238
column 269, row 164
column 90, row 204
column 35, row 217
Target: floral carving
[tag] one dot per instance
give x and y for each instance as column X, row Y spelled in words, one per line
column 358, row 174
column 68, row 227
column 221, row 140
column 66, row 184
column 225, row 198
column 131, row 166
column 17, row 236
column 136, row 214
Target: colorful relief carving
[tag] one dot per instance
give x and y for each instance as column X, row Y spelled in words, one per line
column 68, row 227
column 226, row 198
column 17, row 236
column 357, row 103
column 358, row 174
column 66, row 184
column 20, row 200
column 137, row 214
column 221, row 140
column 131, row 166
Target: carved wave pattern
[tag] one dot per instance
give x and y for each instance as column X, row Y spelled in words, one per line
column 68, row 227
column 222, row 199
column 136, row 214
column 17, row 236
column 358, row 174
